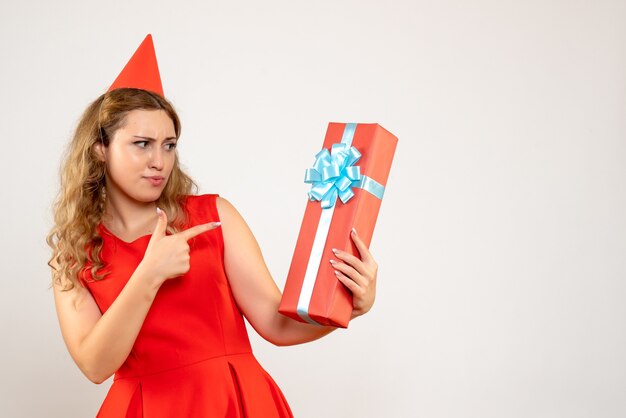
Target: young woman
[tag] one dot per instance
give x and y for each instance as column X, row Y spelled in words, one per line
column 151, row 282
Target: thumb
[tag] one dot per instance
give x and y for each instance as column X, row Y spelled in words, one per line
column 159, row 229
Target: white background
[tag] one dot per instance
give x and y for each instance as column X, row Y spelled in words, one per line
column 501, row 238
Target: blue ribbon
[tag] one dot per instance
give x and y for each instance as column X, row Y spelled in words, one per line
column 334, row 174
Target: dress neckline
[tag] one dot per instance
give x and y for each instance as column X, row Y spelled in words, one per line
column 108, row 232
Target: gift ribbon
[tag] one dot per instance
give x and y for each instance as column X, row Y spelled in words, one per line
column 333, row 176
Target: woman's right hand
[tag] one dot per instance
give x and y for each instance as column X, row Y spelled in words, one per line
column 167, row 256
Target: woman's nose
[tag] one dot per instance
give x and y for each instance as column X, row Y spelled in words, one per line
column 156, row 159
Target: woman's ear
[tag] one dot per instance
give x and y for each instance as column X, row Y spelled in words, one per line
column 98, row 150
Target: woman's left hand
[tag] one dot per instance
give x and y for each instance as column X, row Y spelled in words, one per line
column 359, row 276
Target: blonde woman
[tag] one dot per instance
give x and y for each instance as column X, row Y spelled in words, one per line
column 151, row 282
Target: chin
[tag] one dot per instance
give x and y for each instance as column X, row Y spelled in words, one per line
column 149, row 196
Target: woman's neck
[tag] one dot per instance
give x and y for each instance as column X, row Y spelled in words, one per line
column 126, row 216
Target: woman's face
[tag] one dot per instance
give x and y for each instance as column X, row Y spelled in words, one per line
column 141, row 155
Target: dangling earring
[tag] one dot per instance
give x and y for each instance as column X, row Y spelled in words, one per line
column 103, row 199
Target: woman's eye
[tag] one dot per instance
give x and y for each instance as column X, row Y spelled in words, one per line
column 171, row 145
column 141, row 144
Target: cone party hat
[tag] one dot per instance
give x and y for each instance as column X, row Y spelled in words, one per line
column 141, row 71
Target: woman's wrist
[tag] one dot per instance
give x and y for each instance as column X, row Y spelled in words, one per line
column 147, row 277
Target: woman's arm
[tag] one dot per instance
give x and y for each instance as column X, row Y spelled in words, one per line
column 258, row 296
column 100, row 343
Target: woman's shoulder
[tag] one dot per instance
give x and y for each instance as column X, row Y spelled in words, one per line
column 199, row 199
column 211, row 204
column 200, row 203
column 214, row 203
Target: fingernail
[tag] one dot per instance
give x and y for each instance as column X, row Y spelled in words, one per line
column 354, row 231
column 335, row 250
column 158, row 210
column 332, row 261
column 217, row 223
column 336, row 273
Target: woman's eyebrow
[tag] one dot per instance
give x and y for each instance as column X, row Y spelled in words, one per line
column 152, row 139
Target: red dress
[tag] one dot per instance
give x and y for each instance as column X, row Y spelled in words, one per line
column 192, row 357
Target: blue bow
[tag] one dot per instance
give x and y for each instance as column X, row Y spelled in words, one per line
column 333, row 174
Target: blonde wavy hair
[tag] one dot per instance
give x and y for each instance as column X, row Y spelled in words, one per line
column 79, row 206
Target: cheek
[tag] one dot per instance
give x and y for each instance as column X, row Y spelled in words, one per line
column 170, row 160
column 119, row 162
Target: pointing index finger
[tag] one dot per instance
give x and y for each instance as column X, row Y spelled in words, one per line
column 198, row 229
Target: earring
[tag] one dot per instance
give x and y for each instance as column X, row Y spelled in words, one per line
column 103, row 198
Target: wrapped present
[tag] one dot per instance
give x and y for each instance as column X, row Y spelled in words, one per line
column 347, row 180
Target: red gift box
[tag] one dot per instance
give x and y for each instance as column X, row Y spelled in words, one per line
column 348, row 179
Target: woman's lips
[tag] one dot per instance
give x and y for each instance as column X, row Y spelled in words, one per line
column 155, row 180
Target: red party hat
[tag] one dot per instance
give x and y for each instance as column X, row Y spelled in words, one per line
column 141, row 71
